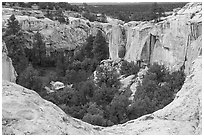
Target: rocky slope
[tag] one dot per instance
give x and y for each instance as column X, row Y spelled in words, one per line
column 25, row 112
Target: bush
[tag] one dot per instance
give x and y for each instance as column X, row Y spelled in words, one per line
column 107, row 76
column 104, row 95
column 94, row 119
column 129, row 68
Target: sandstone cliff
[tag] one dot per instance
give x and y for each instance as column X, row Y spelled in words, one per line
column 25, row 112
column 8, row 71
column 175, row 42
column 169, row 42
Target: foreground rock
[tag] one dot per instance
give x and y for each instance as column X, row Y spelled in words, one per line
column 25, row 112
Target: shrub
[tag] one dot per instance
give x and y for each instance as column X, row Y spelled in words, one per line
column 107, row 76
column 129, row 68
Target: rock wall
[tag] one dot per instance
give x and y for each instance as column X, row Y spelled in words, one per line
column 168, row 42
column 8, row 71
column 25, row 112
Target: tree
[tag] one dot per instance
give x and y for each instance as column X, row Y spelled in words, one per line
column 60, row 16
column 158, row 89
column 13, row 26
column 129, row 68
column 88, row 47
column 107, row 76
column 39, row 50
column 118, row 108
column 100, row 47
column 94, row 115
column 15, row 43
column 27, row 77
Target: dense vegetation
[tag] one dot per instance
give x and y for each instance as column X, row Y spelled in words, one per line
column 96, row 99
column 45, row 5
column 127, row 11
column 134, row 11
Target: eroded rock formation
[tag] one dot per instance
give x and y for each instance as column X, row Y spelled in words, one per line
column 175, row 42
column 8, row 71
column 168, row 42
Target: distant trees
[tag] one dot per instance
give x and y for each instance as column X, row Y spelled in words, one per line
column 60, row 16
column 90, row 16
column 156, row 12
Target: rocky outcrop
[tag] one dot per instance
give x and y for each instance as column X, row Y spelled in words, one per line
column 8, row 71
column 25, row 112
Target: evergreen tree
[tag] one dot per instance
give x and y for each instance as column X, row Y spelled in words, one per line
column 39, row 50
column 15, row 43
column 100, row 47
column 88, row 47
column 13, row 26
column 27, row 77
column 16, row 53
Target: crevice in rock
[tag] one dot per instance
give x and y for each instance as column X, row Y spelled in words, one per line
column 151, row 45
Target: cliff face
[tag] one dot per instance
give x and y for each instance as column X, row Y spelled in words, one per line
column 8, row 71
column 25, row 112
column 169, row 42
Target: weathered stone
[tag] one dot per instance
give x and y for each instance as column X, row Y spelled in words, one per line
column 25, row 112
column 8, row 71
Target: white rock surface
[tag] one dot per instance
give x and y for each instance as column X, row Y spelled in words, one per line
column 8, row 71
column 24, row 112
